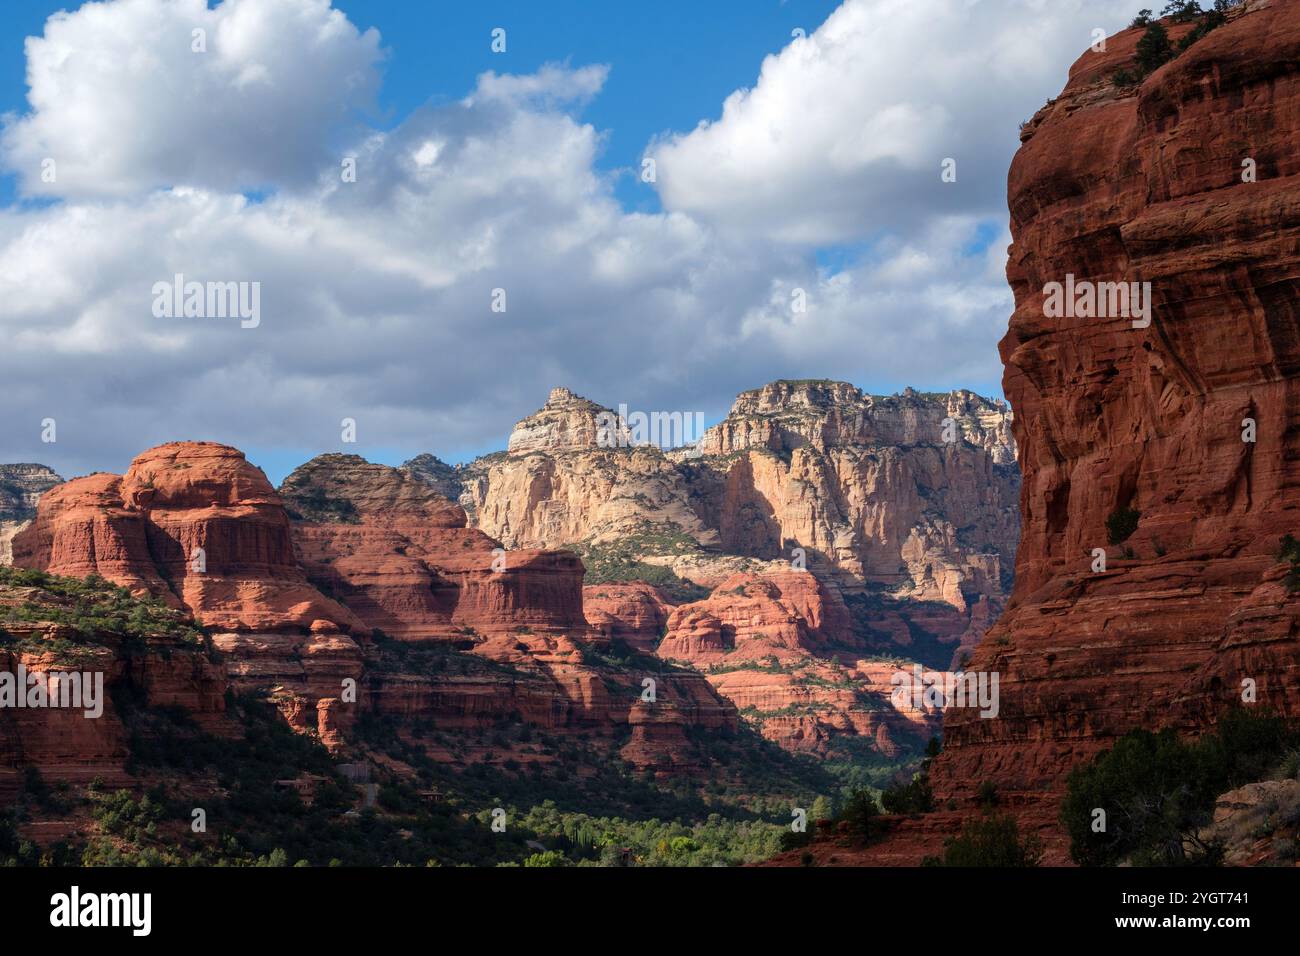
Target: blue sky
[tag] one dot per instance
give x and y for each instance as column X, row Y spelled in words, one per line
column 669, row 71
column 820, row 178
column 671, row 67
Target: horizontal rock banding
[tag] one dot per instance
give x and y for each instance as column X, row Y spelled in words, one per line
column 1111, row 419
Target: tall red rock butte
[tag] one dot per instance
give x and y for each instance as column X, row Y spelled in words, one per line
column 197, row 525
column 1185, row 432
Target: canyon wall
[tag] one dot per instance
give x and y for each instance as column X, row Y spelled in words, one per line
column 906, row 504
column 315, row 594
column 21, row 487
column 560, row 483
column 864, row 531
column 198, row 526
column 874, row 487
column 1173, row 446
column 784, row 565
column 400, row 555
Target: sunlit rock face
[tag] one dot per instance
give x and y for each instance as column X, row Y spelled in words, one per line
column 21, row 487
column 1117, row 416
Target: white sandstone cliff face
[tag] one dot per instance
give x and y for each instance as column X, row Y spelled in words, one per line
column 903, row 508
column 567, row 422
column 21, row 487
column 867, row 486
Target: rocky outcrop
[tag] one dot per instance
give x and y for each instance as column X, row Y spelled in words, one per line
column 1171, row 446
column 752, row 618
column 193, row 523
column 634, row 613
column 659, row 740
column 198, row 526
column 21, row 487
column 563, row 481
column 913, row 492
column 74, row 744
column 567, row 422
column 901, row 509
column 783, row 650
column 83, row 527
column 437, row 474
column 905, row 503
column 400, row 556
column 1258, row 824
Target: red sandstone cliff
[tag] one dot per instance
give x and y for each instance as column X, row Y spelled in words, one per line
column 193, row 523
column 399, row 554
column 635, row 613
column 402, row 558
column 62, row 743
column 198, row 526
column 901, row 508
column 1147, row 185
column 781, row 648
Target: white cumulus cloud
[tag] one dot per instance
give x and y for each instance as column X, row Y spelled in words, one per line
column 845, row 130
column 122, row 101
column 376, row 294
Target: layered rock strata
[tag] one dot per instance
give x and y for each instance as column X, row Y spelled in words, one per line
column 1168, row 442
column 780, row 647
column 195, row 524
column 21, row 487
column 400, row 555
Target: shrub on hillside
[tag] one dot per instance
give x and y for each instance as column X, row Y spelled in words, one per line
column 1156, row 791
column 859, row 814
column 990, row 841
column 915, row 796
